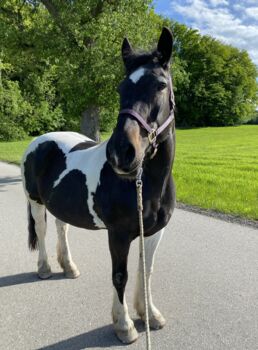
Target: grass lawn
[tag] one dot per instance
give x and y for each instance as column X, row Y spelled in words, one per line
column 215, row 168
column 12, row 151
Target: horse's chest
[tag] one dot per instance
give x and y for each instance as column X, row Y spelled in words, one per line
column 116, row 204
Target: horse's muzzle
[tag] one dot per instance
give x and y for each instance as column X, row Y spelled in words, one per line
column 123, row 158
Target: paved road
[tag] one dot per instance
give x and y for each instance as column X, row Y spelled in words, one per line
column 205, row 282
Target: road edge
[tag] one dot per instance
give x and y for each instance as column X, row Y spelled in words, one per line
column 234, row 219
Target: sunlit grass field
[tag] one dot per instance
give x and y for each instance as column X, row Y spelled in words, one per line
column 215, row 168
column 12, row 151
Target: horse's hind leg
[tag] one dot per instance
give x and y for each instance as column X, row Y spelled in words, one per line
column 37, row 233
column 63, row 252
column 156, row 319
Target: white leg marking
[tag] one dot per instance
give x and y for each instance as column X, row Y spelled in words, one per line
column 156, row 319
column 123, row 324
column 137, row 74
column 63, row 252
column 38, row 212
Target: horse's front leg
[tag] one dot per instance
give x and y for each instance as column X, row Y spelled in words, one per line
column 124, row 327
column 156, row 319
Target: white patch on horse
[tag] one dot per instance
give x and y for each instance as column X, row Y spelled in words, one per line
column 38, row 212
column 121, row 318
column 156, row 319
column 65, row 141
column 90, row 162
column 136, row 75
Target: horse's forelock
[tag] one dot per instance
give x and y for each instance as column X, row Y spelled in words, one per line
column 140, row 58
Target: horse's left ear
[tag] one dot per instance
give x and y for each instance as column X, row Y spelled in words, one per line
column 126, row 50
column 165, row 45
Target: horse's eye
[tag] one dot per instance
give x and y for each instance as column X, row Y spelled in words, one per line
column 161, row 85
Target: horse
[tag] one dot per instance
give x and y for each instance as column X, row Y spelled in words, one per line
column 92, row 185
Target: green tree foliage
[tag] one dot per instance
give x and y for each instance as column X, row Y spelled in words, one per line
column 66, row 55
column 60, row 59
column 217, row 82
column 13, row 107
column 28, row 82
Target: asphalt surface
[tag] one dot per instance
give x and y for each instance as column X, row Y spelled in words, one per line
column 205, row 282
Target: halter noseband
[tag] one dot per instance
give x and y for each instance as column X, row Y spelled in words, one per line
column 153, row 133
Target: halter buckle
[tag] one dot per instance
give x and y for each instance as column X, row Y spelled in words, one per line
column 152, row 136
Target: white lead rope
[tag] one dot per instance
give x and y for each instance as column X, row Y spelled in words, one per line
column 142, row 252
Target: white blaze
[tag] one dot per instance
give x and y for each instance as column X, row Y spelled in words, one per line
column 136, row 75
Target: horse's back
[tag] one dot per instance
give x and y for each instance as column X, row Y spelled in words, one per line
column 47, row 149
column 65, row 140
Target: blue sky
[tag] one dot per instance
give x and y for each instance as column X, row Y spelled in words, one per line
column 232, row 22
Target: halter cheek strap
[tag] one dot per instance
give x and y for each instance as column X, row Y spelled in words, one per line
column 152, row 133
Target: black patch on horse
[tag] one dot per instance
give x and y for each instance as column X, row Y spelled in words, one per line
column 68, row 200
column 114, row 200
column 47, row 155
column 83, row 145
column 32, row 239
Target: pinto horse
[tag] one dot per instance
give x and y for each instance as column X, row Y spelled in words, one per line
column 92, row 185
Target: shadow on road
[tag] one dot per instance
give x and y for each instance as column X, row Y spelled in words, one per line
column 4, row 181
column 26, row 277
column 103, row 337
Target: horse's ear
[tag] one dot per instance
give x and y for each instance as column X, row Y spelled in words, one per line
column 165, row 45
column 126, row 50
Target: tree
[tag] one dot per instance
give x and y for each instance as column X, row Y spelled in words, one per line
column 61, row 63
column 218, row 82
column 74, row 60
column 27, row 77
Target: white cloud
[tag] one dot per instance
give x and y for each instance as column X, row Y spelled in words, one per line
column 218, row 2
column 252, row 12
column 239, row 7
column 218, row 19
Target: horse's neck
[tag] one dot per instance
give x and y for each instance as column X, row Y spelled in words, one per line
column 159, row 168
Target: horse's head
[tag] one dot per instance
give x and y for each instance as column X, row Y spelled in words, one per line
column 146, row 106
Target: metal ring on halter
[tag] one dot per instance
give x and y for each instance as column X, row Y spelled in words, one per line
column 152, row 136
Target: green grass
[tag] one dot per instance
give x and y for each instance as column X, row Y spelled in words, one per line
column 12, row 151
column 215, row 168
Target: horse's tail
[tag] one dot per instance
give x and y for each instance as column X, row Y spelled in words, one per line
column 32, row 238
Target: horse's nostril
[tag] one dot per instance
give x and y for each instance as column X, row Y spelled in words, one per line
column 129, row 154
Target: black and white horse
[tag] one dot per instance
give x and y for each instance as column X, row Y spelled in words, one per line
column 92, row 185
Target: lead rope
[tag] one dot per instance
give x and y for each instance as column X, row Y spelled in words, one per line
column 142, row 252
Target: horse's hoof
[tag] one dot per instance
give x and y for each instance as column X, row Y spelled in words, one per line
column 44, row 270
column 72, row 274
column 127, row 337
column 157, row 322
column 43, row 275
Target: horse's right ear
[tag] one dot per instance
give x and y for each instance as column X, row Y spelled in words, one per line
column 164, row 47
column 126, row 50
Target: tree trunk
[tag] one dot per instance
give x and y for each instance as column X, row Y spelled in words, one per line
column 90, row 123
